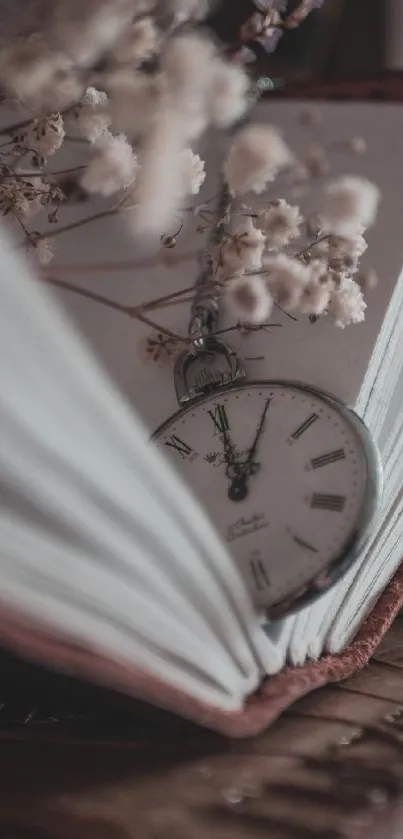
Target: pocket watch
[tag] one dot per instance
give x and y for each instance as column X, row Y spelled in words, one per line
column 289, row 475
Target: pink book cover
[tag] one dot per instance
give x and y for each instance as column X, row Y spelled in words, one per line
column 275, row 694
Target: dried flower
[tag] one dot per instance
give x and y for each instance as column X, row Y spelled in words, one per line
column 46, row 135
column 133, row 100
column 252, row 27
column 228, row 96
column 248, row 299
column 350, row 205
column 92, row 119
column 286, row 278
column 142, row 42
column 13, row 202
column 159, row 348
column 267, row 5
column 319, row 271
column 314, row 226
column 164, row 106
column 22, row 198
column 44, row 251
column 113, row 165
column 87, row 30
column 244, row 55
column 271, row 38
column 187, row 62
column 184, row 10
column 357, row 145
column 244, row 250
column 186, row 65
column 159, row 185
column 281, row 223
column 345, row 253
column 263, row 28
column 347, row 304
column 304, row 8
column 194, row 173
column 314, row 299
column 40, row 77
column 257, row 154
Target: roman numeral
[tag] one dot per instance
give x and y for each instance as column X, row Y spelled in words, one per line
column 332, row 503
column 304, row 427
column 220, row 419
column 259, row 574
column 179, row 445
column 326, row 459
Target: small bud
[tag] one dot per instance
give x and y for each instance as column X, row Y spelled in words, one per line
column 37, row 160
column 314, row 227
column 357, row 145
column 53, row 217
column 168, row 241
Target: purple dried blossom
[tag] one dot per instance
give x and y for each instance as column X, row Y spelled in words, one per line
column 271, row 5
column 271, row 38
column 302, row 11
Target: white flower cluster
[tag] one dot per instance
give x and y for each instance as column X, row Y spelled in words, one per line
column 257, row 262
column 136, row 83
column 91, row 114
column 113, row 165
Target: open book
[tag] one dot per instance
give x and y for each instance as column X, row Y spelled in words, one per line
column 110, row 569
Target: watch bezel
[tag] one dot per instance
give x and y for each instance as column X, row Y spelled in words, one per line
column 351, row 550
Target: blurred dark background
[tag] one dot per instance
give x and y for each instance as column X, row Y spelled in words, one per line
column 344, row 38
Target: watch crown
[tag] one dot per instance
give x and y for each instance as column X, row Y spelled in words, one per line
column 209, row 365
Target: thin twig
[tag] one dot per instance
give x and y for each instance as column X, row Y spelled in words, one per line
column 195, row 207
column 312, row 245
column 162, row 329
column 15, row 126
column 169, row 261
column 256, row 328
column 97, row 298
column 18, row 175
column 277, row 305
column 75, row 224
column 132, row 311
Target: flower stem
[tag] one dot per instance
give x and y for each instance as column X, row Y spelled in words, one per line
column 236, row 328
column 159, row 328
column 133, row 312
column 75, row 224
column 90, row 295
column 168, row 260
column 18, row 175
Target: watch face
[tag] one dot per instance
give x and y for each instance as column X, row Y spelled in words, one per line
column 289, row 478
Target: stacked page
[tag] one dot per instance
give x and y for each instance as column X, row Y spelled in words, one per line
column 100, row 542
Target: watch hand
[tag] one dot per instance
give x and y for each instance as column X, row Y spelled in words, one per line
column 229, row 448
column 252, row 450
column 239, row 485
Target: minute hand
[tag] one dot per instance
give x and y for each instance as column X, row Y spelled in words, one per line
column 239, row 486
column 252, row 450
